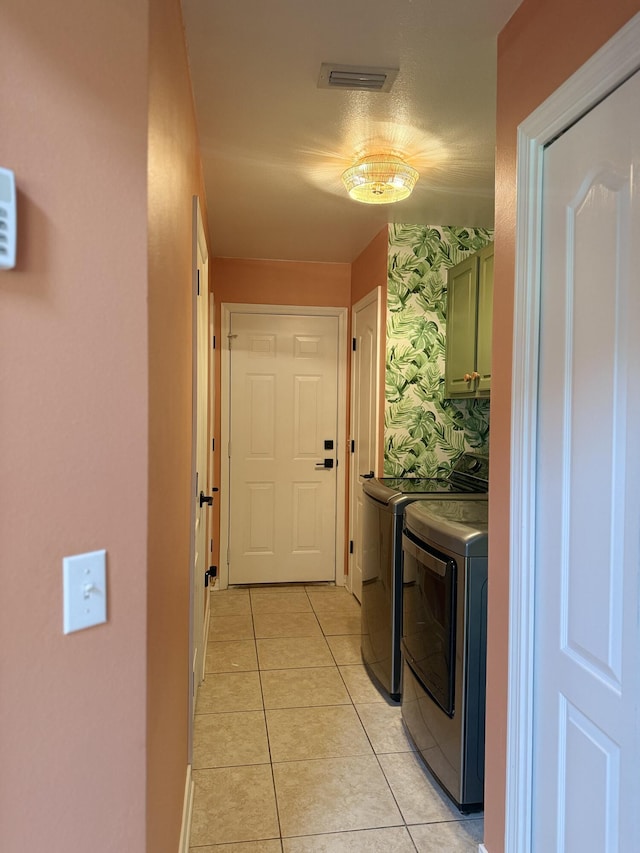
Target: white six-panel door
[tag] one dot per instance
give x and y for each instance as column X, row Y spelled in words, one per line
column 364, row 419
column 587, row 638
column 200, row 441
column 283, row 408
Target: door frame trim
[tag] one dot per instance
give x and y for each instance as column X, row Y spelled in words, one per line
column 228, row 308
column 187, row 813
column 374, row 295
column 607, row 69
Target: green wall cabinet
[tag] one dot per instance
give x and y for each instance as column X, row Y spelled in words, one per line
column 469, row 318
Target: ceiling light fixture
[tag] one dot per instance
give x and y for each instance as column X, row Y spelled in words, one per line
column 380, row 179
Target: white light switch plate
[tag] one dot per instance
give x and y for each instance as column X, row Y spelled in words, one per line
column 84, row 590
column 8, row 219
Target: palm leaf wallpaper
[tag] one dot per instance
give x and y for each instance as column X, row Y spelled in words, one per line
column 424, row 434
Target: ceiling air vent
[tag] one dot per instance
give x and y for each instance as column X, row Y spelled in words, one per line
column 360, row 78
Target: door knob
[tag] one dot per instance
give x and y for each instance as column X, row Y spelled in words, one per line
column 205, row 500
column 368, row 476
column 327, row 463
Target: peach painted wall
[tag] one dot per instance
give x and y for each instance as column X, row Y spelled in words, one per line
column 369, row 270
column 174, row 178
column 73, row 423
column 541, row 46
column 281, row 282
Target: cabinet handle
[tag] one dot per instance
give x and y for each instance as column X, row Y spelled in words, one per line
column 475, row 375
column 468, row 377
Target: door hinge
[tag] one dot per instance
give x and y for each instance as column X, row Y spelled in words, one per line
column 211, row 545
column 213, row 444
column 351, row 546
column 354, row 344
column 210, row 574
column 353, row 445
column 198, row 273
column 228, row 556
column 213, row 343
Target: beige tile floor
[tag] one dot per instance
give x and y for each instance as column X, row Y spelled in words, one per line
column 295, row 749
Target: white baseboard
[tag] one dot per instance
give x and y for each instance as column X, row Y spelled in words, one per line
column 207, row 617
column 205, row 637
column 482, row 849
column 187, row 809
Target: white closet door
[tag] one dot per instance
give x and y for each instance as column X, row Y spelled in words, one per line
column 587, row 636
column 364, row 419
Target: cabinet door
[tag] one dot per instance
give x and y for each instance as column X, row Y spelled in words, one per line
column 462, row 310
column 485, row 318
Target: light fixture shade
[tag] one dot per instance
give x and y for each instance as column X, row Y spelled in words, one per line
column 380, row 179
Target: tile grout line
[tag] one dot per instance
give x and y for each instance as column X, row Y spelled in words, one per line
column 353, row 705
column 375, row 754
column 384, row 776
column 297, row 708
column 266, row 728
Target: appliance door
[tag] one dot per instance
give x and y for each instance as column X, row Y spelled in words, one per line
column 429, row 619
column 380, row 544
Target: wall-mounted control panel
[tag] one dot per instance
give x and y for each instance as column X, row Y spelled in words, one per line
column 8, row 219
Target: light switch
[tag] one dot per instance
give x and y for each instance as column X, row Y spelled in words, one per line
column 84, row 590
column 8, row 219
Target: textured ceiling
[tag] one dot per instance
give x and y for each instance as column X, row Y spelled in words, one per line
column 274, row 144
